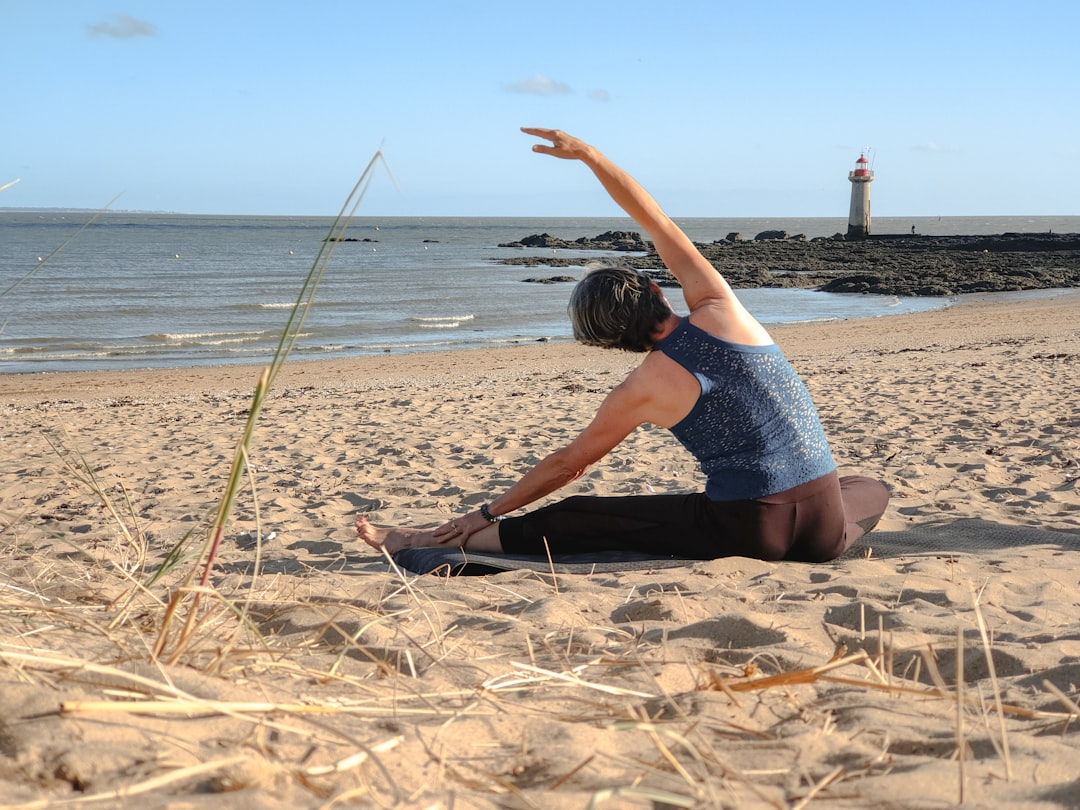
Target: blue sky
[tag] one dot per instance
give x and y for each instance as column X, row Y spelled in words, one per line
column 720, row 109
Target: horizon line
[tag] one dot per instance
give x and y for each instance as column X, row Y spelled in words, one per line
column 165, row 212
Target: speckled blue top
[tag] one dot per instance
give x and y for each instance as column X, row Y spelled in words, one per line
column 754, row 429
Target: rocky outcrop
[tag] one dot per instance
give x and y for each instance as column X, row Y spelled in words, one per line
column 626, row 241
column 888, row 265
column 549, row 280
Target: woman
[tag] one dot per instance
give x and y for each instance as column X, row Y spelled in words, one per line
column 718, row 382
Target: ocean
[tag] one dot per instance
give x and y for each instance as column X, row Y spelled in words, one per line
column 142, row 290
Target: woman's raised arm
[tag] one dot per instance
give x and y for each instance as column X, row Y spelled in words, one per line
column 699, row 279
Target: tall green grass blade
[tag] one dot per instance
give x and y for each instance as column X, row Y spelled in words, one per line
column 289, row 336
column 304, row 300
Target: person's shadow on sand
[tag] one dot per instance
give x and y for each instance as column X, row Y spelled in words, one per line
column 964, row 535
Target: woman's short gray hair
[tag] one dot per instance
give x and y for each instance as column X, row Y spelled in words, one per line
column 617, row 307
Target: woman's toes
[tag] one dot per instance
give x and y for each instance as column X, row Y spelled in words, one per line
column 368, row 533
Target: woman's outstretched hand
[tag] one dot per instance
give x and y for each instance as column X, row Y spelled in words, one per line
column 563, row 146
column 455, row 532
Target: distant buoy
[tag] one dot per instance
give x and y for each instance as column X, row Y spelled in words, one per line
column 40, row 259
column 178, row 255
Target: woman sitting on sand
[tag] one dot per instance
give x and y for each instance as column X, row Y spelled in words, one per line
column 723, row 388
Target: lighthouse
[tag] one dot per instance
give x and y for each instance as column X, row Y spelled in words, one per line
column 858, row 222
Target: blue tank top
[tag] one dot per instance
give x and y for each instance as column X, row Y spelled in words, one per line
column 754, row 429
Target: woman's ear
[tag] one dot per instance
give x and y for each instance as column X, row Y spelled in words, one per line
column 657, row 291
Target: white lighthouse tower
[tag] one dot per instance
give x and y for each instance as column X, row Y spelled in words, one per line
column 858, row 222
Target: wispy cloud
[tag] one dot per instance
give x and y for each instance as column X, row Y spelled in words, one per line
column 934, row 147
column 539, row 85
column 602, row 96
column 122, row 26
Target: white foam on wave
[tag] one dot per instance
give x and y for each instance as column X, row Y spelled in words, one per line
column 441, row 322
column 443, row 318
column 207, row 338
column 325, row 348
column 804, row 321
column 288, row 305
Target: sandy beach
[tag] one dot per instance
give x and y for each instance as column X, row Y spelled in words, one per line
column 316, row 675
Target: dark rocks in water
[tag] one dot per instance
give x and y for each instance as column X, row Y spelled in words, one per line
column 870, row 284
column 956, row 265
column 550, row 280
column 620, row 240
column 1018, row 243
column 536, row 240
column 778, row 236
column 628, row 241
column 540, row 261
column 348, row 239
column 880, row 264
column 902, row 265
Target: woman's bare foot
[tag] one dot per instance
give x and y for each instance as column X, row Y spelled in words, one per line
column 392, row 539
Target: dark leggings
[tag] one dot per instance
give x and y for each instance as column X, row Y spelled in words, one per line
column 813, row 522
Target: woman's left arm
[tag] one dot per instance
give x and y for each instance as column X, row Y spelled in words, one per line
column 622, row 410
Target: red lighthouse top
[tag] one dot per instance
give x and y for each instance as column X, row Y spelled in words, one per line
column 860, row 167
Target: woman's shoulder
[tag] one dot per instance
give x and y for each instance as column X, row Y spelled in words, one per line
column 670, row 388
column 729, row 320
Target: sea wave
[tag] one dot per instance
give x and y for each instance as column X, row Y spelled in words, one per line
column 801, row 321
column 229, row 297
column 207, row 338
column 441, row 322
column 271, row 305
column 437, row 319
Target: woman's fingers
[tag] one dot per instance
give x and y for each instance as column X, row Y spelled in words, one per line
column 451, row 532
column 563, row 145
column 557, row 137
column 541, row 132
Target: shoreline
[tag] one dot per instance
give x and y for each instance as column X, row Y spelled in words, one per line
column 235, row 317
column 505, row 361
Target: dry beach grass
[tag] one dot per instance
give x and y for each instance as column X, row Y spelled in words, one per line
column 317, row 675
